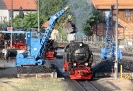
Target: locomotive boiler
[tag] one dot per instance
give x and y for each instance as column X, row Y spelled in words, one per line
column 78, row 59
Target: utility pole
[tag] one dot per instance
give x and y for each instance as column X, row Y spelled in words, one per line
column 116, row 39
column 38, row 16
column 11, row 20
column 11, row 13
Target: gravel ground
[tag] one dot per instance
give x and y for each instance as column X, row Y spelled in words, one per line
column 112, row 84
column 52, row 84
column 116, row 84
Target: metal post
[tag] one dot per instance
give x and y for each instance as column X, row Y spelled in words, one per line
column 11, row 13
column 116, row 39
column 38, row 16
column 120, row 71
column 11, row 20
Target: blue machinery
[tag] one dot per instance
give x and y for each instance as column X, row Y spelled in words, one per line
column 109, row 51
column 37, row 44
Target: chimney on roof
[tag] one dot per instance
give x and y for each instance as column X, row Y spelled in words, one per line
column 21, row 13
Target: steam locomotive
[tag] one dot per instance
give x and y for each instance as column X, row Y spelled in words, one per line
column 49, row 52
column 18, row 43
column 78, row 59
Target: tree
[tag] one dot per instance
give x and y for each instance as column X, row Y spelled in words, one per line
column 94, row 19
column 47, row 8
column 50, row 7
column 17, row 22
column 30, row 20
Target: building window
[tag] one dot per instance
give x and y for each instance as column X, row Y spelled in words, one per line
column 107, row 12
column 127, row 13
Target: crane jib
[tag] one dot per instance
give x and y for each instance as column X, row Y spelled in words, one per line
column 37, row 44
column 49, row 29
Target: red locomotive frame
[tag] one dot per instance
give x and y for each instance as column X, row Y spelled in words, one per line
column 78, row 71
column 50, row 55
column 19, row 45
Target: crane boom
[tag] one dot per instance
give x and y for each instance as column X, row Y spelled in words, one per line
column 49, row 29
column 37, row 43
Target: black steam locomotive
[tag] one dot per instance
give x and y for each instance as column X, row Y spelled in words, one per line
column 18, row 43
column 78, row 59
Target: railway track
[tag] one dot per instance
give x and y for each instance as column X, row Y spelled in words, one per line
column 106, row 67
column 87, row 86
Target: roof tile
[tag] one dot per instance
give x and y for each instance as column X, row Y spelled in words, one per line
column 26, row 4
column 105, row 4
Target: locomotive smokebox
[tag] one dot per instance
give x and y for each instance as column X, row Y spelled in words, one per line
column 77, row 52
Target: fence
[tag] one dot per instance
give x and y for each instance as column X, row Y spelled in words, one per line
column 96, row 41
column 91, row 40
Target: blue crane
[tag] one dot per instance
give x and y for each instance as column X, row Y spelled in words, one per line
column 37, row 43
column 109, row 50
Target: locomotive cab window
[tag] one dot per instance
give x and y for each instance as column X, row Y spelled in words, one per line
column 34, row 35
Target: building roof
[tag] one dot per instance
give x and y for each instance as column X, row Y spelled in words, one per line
column 2, row 5
column 105, row 4
column 26, row 4
column 45, row 24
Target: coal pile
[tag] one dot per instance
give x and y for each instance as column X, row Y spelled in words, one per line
column 34, row 69
column 9, row 72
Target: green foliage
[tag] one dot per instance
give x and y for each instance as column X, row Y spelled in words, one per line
column 93, row 20
column 51, row 7
column 4, row 25
column 17, row 22
column 87, row 28
column 60, row 28
column 30, row 20
column 47, row 8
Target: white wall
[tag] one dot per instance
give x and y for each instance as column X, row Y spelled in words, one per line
column 15, row 13
column 4, row 15
column 71, row 37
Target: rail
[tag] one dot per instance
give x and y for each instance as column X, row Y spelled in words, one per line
column 86, row 86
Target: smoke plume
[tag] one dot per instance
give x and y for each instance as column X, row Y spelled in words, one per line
column 81, row 10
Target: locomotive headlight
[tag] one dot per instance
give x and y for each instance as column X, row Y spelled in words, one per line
column 86, row 64
column 80, row 44
column 74, row 64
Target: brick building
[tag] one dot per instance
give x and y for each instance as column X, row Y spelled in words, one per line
column 125, row 17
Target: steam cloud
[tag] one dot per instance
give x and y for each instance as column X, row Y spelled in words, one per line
column 80, row 9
